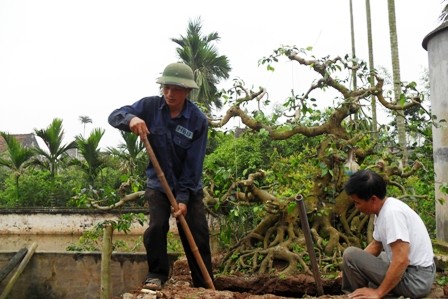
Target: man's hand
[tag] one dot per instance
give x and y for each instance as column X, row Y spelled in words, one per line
column 182, row 210
column 364, row 293
column 138, row 126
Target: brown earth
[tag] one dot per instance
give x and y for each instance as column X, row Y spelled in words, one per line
column 253, row 287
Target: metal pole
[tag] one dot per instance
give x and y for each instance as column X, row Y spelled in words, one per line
column 309, row 243
column 181, row 218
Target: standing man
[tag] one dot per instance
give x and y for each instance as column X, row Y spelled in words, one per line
column 177, row 131
column 400, row 258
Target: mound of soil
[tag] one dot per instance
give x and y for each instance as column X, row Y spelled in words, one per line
column 253, row 287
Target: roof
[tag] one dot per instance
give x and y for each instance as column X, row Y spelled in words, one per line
column 27, row 140
column 430, row 35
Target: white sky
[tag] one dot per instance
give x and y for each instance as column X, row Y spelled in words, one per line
column 67, row 59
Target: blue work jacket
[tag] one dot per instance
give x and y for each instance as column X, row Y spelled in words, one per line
column 179, row 143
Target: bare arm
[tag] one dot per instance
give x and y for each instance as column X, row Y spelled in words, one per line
column 397, row 267
column 374, row 248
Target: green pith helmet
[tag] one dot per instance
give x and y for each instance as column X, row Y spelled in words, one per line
column 178, row 74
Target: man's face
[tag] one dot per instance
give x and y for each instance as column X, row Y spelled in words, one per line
column 364, row 206
column 175, row 95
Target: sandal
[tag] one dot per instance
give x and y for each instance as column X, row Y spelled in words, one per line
column 151, row 283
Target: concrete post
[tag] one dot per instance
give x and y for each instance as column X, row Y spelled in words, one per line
column 436, row 43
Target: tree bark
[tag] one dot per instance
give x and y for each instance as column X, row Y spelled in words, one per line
column 372, row 69
column 399, row 115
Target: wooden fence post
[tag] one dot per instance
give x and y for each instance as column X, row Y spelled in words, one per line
column 106, row 255
column 19, row 271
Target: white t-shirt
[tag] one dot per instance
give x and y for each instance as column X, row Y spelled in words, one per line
column 397, row 221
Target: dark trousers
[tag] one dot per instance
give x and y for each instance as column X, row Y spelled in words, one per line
column 155, row 237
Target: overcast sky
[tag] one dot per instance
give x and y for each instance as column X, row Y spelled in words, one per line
column 67, row 59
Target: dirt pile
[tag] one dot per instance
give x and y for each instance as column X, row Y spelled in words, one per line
column 253, row 287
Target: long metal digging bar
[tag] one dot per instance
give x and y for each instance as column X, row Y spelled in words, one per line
column 180, row 218
column 309, row 243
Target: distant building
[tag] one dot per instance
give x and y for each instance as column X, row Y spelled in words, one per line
column 27, row 140
column 73, row 153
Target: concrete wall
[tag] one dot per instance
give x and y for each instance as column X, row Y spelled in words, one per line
column 67, row 275
column 436, row 43
column 68, row 221
column 74, row 275
column 60, row 221
column 54, row 223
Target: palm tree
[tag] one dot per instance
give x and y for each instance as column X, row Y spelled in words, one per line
column 444, row 15
column 92, row 162
column 85, row 120
column 18, row 158
column 352, row 29
column 399, row 117
column 53, row 137
column 354, row 62
column 132, row 151
column 209, row 68
column 371, row 68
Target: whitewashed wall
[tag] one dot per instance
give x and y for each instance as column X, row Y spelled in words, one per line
column 59, row 223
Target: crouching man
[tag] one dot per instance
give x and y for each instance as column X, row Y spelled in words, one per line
column 400, row 259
